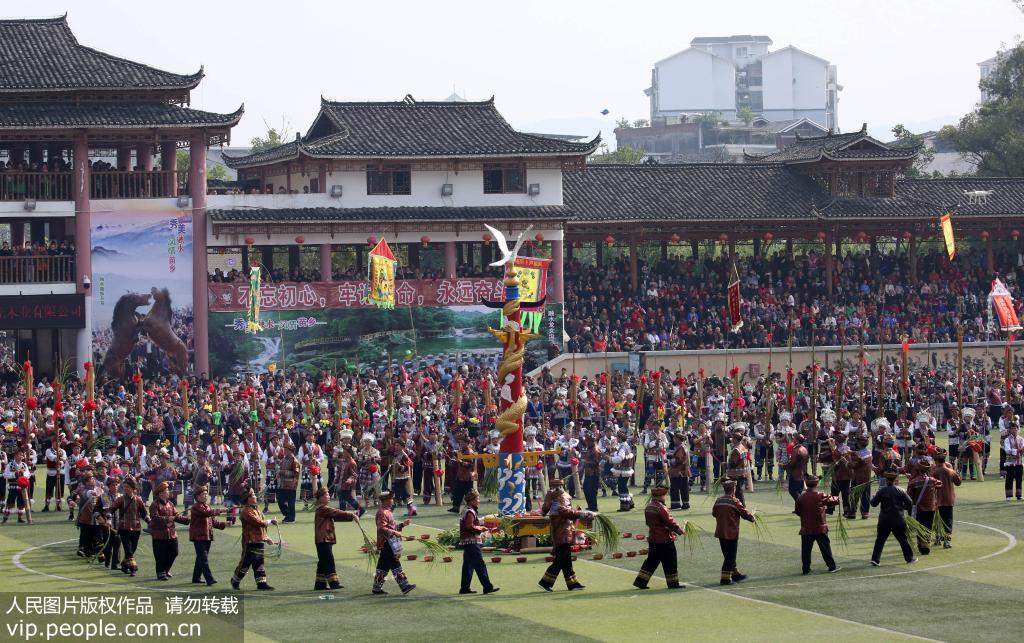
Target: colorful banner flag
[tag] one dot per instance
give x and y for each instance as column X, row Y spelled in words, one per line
column 735, row 320
column 947, row 233
column 533, row 280
column 382, row 266
column 252, row 318
column 1003, row 303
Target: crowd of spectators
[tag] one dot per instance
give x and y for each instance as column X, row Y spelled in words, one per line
column 43, row 262
column 682, row 304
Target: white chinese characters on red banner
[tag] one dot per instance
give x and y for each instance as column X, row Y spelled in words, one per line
column 352, row 294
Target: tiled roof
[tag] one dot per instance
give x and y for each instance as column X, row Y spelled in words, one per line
column 321, row 215
column 412, row 129
column 698, row 191
column 44, row 115
column 850, row 146
column 1005, row 198
column 44, row 56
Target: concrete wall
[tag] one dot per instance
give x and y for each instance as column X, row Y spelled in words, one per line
column 755, row 361
column 696, row 81
column 467, row 185
column 793, row 80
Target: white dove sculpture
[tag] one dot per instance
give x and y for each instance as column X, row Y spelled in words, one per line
column 507, row 256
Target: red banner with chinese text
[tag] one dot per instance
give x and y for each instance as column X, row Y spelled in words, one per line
column 1003, row 304
column 735, row 320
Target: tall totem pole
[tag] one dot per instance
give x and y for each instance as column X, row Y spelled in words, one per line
column 511, row 398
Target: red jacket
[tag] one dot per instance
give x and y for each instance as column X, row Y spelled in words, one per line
column 202, row 522
column 810, row 506
column 727, row 512
column 663, row 528
column 798, row 462
column 162, row 516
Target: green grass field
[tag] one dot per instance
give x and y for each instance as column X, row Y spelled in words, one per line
column 970, row 592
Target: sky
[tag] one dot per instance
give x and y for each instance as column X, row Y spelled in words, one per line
column 552, row 66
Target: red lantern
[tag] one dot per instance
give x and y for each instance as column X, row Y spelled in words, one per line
column 723, row 237
column 424, row 241
column 1015, row 234
column 907, row 235
column 371, row 241
column 984, row 235
column 675, row 238
column 487, row 237
column 609, row 240
column 822, row 235
column 300, row 239
column 768, row 236
column 539, row 237
column 862, row 237
column 250, row 241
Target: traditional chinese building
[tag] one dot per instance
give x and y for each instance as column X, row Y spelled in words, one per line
column 90, row 148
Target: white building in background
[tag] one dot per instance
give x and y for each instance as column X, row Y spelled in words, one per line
column 725, row 74
column 985, row 69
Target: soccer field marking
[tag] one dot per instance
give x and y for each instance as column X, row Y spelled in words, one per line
column 1011, row 543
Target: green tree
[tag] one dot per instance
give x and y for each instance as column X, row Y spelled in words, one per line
column 623, row 123
column 184, row 160
column 624, row 154
column 275, row 136
column 905, row 139
column 745, row 115
column 217, row 173
column 641, row 122
column 992, row 136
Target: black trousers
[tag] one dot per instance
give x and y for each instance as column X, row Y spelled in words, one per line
column 591, row 483
column 325, row 561
column 129, row 543
column 865, row 502
column 807, row 544
column 841, row 488
column 286, row 503
column 729, row 550
column 252, row 556
column 417, row 476
column 680, row 491
column 87, row 539
column 925, row 518
column 459, row 491
column 663, row 554
column 164, row 551
column 473, row 561
column 561, row 565
column 796, row 487
column 54, row 487
column 347, row 501
column 1014, row 474
column 201, row 568
column 946, row 514
column 897, row 528
column 112, row 549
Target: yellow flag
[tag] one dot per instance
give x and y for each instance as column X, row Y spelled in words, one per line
column 947, row 233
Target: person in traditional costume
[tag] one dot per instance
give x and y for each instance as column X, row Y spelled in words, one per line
column 923, row 490
column 471, row 531
column 288, row 469
column 324, row 539
column 558, row 507
column 947, row 474
column 727, row 511
column 893, row 501
column 202, row 522
column 162, row 518
column 389, row 545
column 811, row 506
column 254, row 542
column 662, row 533
column 131, row 511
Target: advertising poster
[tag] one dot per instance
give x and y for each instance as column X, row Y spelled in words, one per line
column 142, row 288
column 313, row 326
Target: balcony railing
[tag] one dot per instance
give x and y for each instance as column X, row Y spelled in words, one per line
column 155, row 184
column 58, row 186
column 41, row 186
column 43, row 269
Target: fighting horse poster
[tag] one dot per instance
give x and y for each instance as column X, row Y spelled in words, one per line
column 142, row 288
